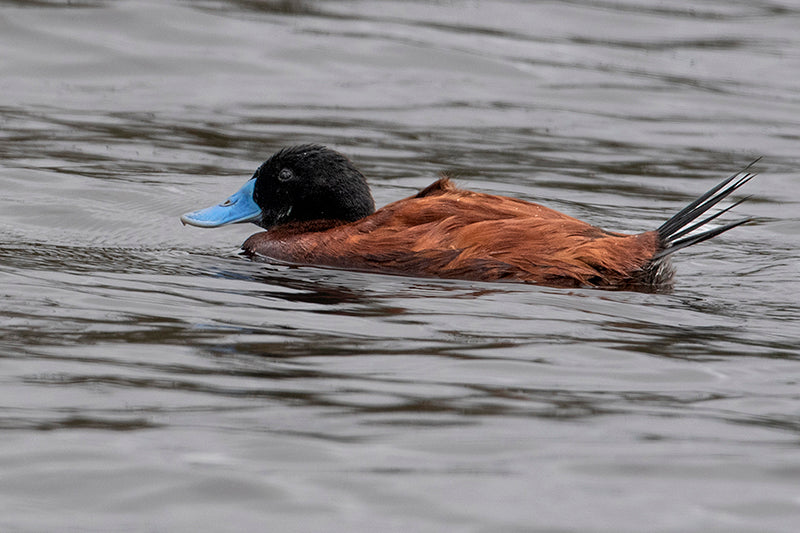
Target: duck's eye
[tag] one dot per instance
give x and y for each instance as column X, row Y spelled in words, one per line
column 285, row 175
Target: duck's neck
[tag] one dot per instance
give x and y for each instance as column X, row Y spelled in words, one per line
column 308, row 226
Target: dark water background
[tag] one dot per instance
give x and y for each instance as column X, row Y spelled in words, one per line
column 152, row 380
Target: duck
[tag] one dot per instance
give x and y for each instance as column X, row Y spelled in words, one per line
column 317, row 209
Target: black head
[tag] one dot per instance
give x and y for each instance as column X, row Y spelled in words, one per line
column 310, row 182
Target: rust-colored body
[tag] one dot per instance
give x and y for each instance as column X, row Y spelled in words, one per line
column 447, row 232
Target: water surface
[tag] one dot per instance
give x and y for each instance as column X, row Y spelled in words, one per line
column 153, row 380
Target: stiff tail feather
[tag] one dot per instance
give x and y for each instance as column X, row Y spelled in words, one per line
column 674, row 233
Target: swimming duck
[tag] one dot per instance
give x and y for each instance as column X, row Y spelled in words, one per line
column 318, row 210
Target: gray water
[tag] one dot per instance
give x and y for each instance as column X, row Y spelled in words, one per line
column 153, row 380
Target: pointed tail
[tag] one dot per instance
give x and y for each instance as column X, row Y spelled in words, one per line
column 674, row 233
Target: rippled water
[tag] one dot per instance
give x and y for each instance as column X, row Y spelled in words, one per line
column 153, row 380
